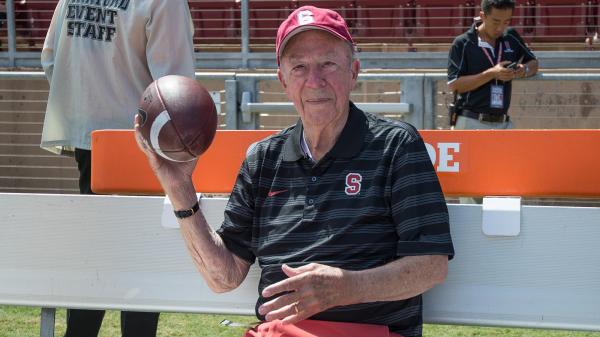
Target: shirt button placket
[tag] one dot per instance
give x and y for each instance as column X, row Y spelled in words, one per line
column 310, row 194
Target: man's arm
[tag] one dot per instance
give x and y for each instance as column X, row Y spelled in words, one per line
column 528, row 69
column 401, row 279
column 460, row 81
column 47, row 55
column 530, row 63
column 314, row 288
column 532, row 68
column 222, row 270
column 471, row 82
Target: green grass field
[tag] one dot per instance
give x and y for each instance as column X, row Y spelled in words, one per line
column 24, row 322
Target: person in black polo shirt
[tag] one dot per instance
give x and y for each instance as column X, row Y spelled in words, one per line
column 343, row 211
column 480, row 71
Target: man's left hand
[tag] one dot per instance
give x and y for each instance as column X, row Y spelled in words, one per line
column 520, row 72
column 309, row 289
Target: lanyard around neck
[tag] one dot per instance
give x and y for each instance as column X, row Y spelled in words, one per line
column 490, row 58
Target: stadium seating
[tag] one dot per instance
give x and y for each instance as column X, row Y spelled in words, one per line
column 559, row 21
column 383, row 21
column 592, row 20
column 524, row 19
column 32, row 19
column 216, row 21
column 441, row 21
column 265, row 17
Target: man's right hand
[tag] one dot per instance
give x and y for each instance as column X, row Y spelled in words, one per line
column 502, row 73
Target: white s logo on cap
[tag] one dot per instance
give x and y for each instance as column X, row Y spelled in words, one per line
column 305, row 17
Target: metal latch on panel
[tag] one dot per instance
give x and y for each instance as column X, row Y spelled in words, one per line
column 501, row 216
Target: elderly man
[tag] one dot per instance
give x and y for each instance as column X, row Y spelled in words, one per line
column 343, row 211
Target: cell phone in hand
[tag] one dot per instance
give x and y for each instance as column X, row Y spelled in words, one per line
column 513, row 66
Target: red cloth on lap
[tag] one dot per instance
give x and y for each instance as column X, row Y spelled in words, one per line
column 314, row 328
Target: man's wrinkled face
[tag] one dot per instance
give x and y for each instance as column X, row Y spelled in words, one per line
column 318, row 74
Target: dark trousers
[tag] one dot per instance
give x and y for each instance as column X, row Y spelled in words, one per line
column 86, row 323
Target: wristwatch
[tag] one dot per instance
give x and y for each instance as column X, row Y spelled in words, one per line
column 186, row 213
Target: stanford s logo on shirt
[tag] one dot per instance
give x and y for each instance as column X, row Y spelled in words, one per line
column 353, row 183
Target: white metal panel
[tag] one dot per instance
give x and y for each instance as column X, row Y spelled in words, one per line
column 547, row 276
column 104, row 252
column 112, row 252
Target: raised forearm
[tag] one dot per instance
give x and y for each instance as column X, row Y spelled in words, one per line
column 222, row 270
column 532, row 68
column 471, row 82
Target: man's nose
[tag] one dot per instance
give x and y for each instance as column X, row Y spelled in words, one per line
column 315, row 78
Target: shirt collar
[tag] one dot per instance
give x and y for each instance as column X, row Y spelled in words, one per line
column 484, row 44
column 472, row 32
column 348, row 144
column 304, row 146
column 474, row 37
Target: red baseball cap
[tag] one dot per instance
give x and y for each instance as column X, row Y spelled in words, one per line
column 310, row 17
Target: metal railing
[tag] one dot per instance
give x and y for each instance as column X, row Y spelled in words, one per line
column 251, row 106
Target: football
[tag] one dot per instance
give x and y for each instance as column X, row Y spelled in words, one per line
column 178, row 118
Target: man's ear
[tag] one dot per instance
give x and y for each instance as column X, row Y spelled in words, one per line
column 355, row 68
column 281, row 79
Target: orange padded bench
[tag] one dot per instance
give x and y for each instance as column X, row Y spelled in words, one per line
column 474, row 163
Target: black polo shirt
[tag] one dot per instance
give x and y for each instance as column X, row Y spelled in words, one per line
column 372, row 199
column 467, row 58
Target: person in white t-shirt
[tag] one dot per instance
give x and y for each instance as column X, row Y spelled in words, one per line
column 99, row 56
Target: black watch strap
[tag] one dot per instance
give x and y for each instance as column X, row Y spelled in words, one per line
column 186, row 213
